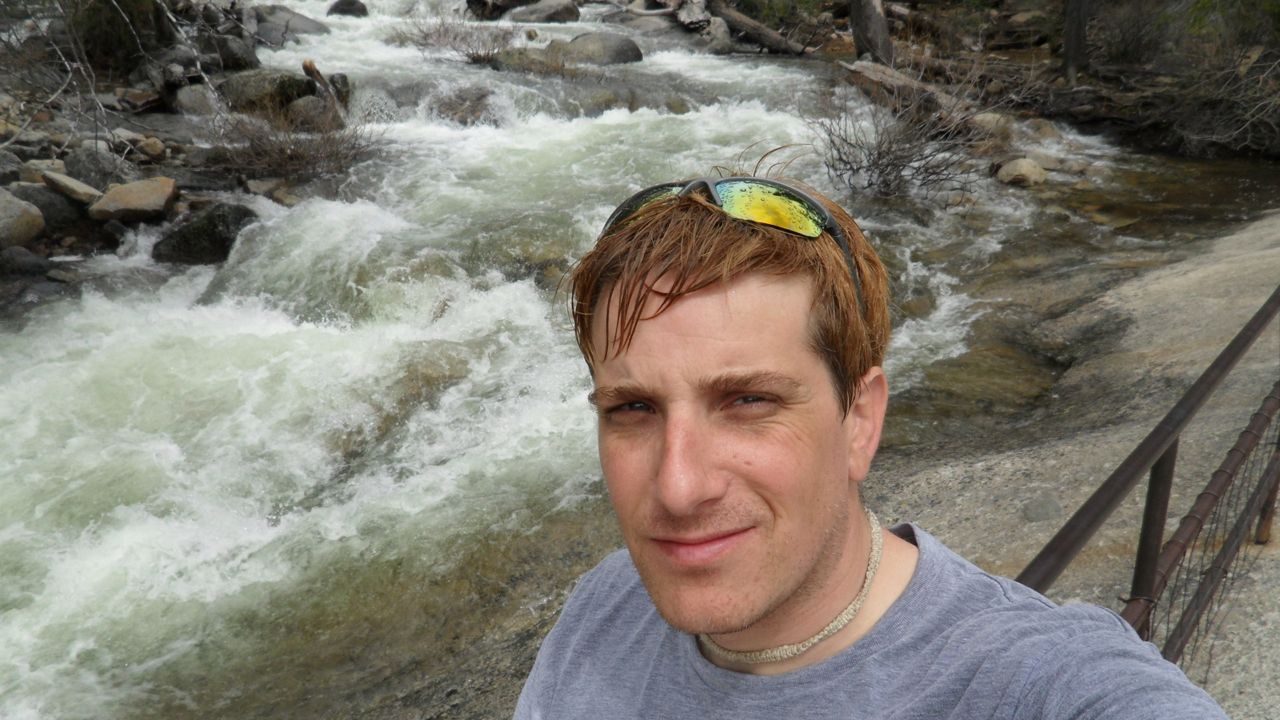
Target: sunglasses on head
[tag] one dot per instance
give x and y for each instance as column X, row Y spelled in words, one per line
column 757, row 200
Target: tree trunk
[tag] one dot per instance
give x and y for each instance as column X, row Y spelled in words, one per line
column 1075, row 54
column 870, row 30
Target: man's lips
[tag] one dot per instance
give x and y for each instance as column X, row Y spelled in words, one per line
column 702, row 549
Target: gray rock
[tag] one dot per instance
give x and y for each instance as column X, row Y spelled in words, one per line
column 236, row 53
column 719, row 39
column 58, row 211
column 10, row 167
column 62, row 275
column 195, row 100
column 291, row 21
column 598, row 48
column 264, row 89
column 1041, row 507
column 98, row 169
column 351, row 8
column 183, row 55
column 20, row 221
column 545, row 11
column 21, row 261
column 206, row 237
column 493, row 9
column 139, row 201
column 341, row 86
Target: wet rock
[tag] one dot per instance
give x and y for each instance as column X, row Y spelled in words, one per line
column 97, row 168
column 21, row 261
column 58, row 211
column 1045, row 160
column 545, row 11
column 20, row 221
column 1043, row 129
column 195, row 100
column 493, row 9
column 264, row 89
column 183, row 55
column 598, row 48
column 719, row 39
column 312, row 114
column 136, row 201
column 467, row 106
column 291, row 21
column 1022, row 172
column 34, row 170
column 72, row 188
column 206, row 237
column 350, row 8
column 62, row 275
column 273, row 35
column 10, row 167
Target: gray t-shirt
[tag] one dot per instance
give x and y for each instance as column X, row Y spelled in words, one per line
column 958, row 643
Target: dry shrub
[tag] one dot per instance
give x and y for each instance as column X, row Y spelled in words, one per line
column 275, row 146
column 1235, row 106
column 475, row 43
column 911, row 138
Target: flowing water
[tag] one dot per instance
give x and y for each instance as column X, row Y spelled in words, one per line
column 245, row 490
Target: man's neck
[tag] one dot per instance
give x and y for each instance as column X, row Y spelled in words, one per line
column 897, row 566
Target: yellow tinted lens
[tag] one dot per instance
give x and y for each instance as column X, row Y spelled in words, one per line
column 768, row 205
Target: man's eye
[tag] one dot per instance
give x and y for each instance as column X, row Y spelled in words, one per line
column 627, row 407
column 750, row 399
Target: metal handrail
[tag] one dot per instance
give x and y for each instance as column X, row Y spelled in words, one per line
column 1156, row 453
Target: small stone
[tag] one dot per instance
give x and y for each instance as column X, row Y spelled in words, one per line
column 34, row 170
column 151, row 147
column 1041, row 507
column 71, row 187
column 351, row 8
column 1045, row 160
column 21, row 261
column 264, row 186
column 10, row 167
column 125, row 135
column 59, row 212
column 206, row 237
column 196, row 100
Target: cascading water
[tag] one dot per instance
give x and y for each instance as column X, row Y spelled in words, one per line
column 237, row 487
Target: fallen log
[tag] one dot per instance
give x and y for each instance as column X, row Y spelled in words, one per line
column 755, row 32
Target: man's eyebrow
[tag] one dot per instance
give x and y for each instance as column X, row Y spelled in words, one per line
column 754, row 380
column 611, row 394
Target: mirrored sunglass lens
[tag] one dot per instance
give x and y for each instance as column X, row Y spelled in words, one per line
column 639, row 200
column 769, row 205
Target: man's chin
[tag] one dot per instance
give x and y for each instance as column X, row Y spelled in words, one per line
column 701, row 610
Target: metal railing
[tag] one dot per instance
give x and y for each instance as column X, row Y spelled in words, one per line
column 1189, row 572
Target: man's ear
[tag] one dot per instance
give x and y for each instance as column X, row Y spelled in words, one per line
column 865, row 421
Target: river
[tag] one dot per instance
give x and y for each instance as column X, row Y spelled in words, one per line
column 305, row 482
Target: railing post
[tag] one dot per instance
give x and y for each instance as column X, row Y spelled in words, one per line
column 1262, row 535
column 1151, row 540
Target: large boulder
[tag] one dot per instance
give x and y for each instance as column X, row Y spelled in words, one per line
column 291, row 21
column 258, row 90
column 139, row 201
column 597, row 48
column 1022, row 172
column 545, row 11
column 20, row 221
column 273, row 35
column 350, row 8
column 58, row 211
column 312, row 114
column 206, row 237
column 98, row 168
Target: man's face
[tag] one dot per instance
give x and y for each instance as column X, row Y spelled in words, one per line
column 731, row 467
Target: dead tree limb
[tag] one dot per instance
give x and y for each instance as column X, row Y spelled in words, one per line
column 755, row 32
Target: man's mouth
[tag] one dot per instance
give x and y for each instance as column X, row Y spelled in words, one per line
column 701, row 549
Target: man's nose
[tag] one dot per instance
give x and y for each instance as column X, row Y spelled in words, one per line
column 686, row 478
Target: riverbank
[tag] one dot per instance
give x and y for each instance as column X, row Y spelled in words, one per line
column 1140, row 344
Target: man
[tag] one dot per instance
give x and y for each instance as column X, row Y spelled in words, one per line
column 735, row 330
